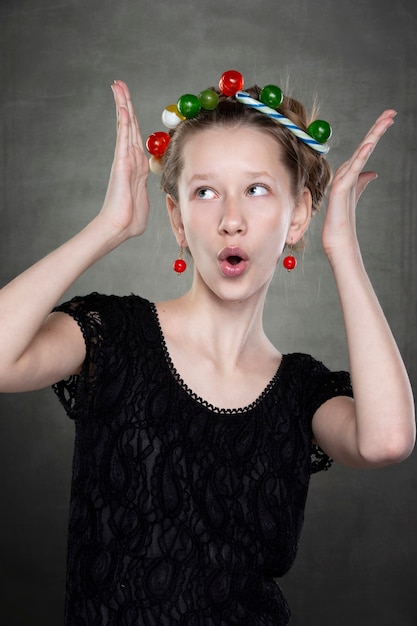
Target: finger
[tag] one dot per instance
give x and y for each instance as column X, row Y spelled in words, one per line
column 377, row 130
column 123, row 122
column 119, row 99
column 123, row 133
column 121, row 103
column 135, row 136
column 347, row 174
column 352, row 168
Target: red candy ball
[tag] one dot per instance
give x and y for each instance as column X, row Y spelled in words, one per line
column 231, row 82
column 179, row 266
column 289, row 263
column 157, row 143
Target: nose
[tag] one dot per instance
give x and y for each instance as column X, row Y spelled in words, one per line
column 232, row 220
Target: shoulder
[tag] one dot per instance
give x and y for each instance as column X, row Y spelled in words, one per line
column 99, row 306
column 95, row 299
column 104, row 318
column 313, row 380
column 300, row 365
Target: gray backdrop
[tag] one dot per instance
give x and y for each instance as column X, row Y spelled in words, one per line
column 358, row 556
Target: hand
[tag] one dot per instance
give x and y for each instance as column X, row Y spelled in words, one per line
column 126, row 202
column 348, row 184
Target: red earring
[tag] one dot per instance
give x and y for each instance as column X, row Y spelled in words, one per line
column 289, row 262
column 179, row 264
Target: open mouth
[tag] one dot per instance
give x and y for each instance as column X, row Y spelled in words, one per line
column 234, row 260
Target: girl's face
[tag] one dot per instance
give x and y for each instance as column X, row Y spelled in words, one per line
column 236, row 209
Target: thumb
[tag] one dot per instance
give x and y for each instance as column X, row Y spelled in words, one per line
column 363, row 181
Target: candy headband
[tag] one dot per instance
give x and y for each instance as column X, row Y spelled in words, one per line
column 231, row 84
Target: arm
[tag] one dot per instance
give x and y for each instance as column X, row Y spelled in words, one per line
column 378, row 428
column 37, row 348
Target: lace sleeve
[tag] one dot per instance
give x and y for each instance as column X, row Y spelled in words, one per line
column 321, row 385
column 76, row 393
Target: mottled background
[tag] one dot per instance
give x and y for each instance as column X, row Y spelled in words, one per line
column 358, row 556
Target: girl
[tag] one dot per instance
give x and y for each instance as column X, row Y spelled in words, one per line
column 195, row 436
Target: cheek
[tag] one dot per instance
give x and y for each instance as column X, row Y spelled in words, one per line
column 277, row 252
column 277, row 235
column 198, row 227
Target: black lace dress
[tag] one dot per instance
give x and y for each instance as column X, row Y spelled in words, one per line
column 181, row 513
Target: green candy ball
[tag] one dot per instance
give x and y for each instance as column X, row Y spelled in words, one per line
column 272, row 96
column 188, row 105
column 208, row 99
column 320, row 130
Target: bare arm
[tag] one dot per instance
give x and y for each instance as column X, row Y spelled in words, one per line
column 37, row 348
column 378, row 428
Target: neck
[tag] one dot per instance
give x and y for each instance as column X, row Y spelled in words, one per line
column 219, row 347
column 224, row 331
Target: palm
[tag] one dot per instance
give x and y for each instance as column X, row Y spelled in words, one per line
column 348, row 184
column 127, row 202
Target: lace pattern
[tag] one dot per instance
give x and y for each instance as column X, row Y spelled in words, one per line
column 179, row 516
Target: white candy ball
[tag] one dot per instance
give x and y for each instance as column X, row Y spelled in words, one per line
column 170, row 117
column 155, row 165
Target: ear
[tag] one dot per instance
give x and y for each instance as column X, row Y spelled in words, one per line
column 301, row 217
column 175, row 218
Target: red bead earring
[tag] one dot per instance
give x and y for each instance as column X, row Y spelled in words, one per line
column 289, row 262
column 179, row 264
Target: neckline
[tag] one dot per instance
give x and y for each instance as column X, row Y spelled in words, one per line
column 194, row 396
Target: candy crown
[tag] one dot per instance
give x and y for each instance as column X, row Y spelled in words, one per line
column 231, row 84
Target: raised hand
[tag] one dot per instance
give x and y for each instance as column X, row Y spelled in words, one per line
column 349, row 182
column 37, row 348
column 126, row 202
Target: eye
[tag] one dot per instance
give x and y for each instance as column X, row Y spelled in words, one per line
column 257, row 190
column 204, row 193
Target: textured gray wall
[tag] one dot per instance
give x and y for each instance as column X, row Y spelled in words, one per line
column 358, row 556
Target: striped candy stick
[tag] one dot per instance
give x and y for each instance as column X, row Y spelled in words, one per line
column 245, row 98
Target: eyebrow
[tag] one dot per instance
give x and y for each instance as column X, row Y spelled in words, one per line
column 260, row 174
column 248, row 175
